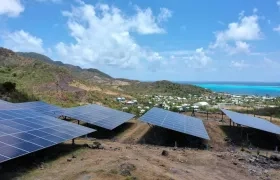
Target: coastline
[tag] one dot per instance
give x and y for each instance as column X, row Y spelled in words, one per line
column 241, row 88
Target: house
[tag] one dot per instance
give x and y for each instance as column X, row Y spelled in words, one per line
column 129, row 102
column 195, row 107
column 199, row 104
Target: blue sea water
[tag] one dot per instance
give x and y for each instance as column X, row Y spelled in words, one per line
column 241, row 88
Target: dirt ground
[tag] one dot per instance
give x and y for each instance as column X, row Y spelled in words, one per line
column 134, row 151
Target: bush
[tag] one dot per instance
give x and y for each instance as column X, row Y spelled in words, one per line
column 8, row 86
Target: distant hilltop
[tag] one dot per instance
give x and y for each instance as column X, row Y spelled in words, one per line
column 56, row 81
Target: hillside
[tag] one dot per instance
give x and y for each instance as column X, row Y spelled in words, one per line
column 165, row 87
column 69, row 85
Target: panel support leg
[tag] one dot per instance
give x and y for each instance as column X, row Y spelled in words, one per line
column 73, row 141
column 230, row 122
column 222, row 116
column 78, row 121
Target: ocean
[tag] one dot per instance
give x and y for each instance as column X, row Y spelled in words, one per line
column 241, row 88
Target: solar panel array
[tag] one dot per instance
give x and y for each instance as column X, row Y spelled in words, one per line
column 251, row 121
column 38, row 106
column 176, row 122
column 5, row 105
column 41, row 107
column 26, row 131
column 98, row 115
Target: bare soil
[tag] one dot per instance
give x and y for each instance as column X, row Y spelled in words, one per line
column 134, row 151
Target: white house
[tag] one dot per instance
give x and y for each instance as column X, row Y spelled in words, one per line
column 199, row 104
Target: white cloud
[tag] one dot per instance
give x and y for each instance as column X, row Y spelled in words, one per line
column 144, row 22
column 197, row 59
column 164, row 14
column 240, row 47
column 277, row 29
column 22, row 41
column 247, row 29
column 239, row 64
column 11, row 8
column 103, row 35
column 278, row 3
column 233, row 39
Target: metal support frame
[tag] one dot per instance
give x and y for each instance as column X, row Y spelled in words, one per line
column 73, row 141
column 193, row 113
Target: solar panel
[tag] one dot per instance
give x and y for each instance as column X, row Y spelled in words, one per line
column 98, row 115
column 26, row 131
column 41, row 107
column 6, row 105
column 176, row 122
column 251, row 121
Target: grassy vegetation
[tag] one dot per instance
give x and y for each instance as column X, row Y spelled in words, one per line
column 164, row 88
column 38, row 77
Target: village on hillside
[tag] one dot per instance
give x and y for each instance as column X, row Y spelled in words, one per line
column 190, row 102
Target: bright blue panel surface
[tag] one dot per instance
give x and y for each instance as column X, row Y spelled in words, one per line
column 25, row 131
column 10, row 140
column 42, row 142
column 28, row 146
column 8, row 130
column 54, row 139
column 251, row 121
column 38, row 106
column 11, row 152
column 2, row 158
column 175, row 121
column 98, row 115
column 25, row 136
column 16, row 125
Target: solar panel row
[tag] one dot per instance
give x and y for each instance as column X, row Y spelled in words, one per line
column 98, row 115
column 26, row 131
column 251, row 121
column 42, row 107
column 94, row 114
column 175, row 121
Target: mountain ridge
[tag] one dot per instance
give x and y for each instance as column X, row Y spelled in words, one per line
column 59, row 82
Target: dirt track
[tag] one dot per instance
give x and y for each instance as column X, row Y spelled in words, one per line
column 220, row 162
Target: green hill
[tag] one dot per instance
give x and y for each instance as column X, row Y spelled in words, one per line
column 165, row 87
column 40, row 77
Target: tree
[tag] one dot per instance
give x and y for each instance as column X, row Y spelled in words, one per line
column 9, row 86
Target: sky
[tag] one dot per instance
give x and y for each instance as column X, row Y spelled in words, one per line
column 182, row 40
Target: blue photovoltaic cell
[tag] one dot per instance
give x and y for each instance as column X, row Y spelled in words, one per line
column 98, row 115
column 23, row 131
column 12, row 152
column 251, row 121
column 41, row 107
column 175, row 121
